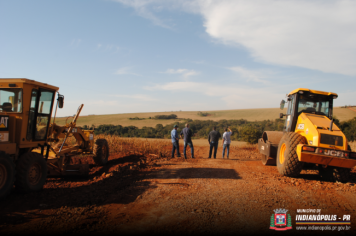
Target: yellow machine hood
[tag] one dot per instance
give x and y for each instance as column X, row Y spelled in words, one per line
column 316, row 130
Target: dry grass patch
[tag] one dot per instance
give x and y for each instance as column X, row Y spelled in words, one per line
column 353, row 146
column 137, row 146
column 257, row 114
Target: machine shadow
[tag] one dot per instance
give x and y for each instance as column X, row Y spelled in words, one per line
column 203, row 173
column 121, row 188
column 127, row 160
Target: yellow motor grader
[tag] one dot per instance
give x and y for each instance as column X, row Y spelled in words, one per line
column 27, row 137
column 310, row 139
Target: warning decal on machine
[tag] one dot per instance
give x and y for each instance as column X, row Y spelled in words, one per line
column 4, row 137
column 4, row 123
column 300, row 126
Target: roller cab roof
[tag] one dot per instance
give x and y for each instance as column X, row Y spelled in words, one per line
column 313, row 91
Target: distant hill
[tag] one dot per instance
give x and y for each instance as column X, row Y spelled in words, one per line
column 258, row 114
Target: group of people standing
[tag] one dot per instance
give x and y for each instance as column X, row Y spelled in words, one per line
column 213, row 140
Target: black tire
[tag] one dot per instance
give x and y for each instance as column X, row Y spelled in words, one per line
column 31, row 172
column 326, row 173
column 341, row 174
column 287, row 158
column 268, row 161
column 101, row 152
column 7, row 174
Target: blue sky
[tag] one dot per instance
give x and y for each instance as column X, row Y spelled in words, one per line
column 166, row 55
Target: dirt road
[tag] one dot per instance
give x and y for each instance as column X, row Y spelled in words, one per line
column 352, row 109
column 163, row 195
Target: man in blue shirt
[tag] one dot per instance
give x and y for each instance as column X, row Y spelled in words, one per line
column 187, row 140
column 226, row 141
column 175, row 139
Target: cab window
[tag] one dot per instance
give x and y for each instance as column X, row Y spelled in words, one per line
column 39, row 116
column 315, row 104
column 10, row 100
column 43, row 114
column 290, row 105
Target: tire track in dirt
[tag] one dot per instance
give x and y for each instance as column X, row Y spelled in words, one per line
column 352, row 109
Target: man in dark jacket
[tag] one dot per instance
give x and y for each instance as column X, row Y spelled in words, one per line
column 214, row 141
column 187, row 133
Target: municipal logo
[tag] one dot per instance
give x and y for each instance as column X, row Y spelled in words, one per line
column 280, row 221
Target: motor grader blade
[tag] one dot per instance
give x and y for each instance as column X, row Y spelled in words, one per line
column 68, row 170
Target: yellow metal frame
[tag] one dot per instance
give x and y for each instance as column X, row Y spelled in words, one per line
column 310, row 157
column 281, row 153
column 312, row 91
column 19, row 120
column 314, row 125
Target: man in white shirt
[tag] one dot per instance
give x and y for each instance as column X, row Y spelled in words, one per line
column 226, row 142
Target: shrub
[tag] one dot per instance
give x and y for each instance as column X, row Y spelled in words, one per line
column 203, row 113
column 165, row 117
column 250, row 134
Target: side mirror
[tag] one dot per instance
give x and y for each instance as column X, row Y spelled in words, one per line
column 60, row 101
column 282, row 104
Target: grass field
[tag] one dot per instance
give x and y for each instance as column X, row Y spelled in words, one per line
column 342, row 114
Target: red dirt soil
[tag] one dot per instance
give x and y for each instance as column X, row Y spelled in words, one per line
column 152, row 194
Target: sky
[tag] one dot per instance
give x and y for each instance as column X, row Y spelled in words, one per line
column 126, row 56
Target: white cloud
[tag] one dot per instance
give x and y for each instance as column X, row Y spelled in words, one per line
column 143, row 9
column 109, row 48
column 184, row 72
column 75, row 42
column 318, row 35
column 251, row 75
column 125, row 71
column 141, row 97
column 234, row 96
column 94, row 102
column 104, row 103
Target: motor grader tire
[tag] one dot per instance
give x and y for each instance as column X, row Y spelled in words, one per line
column 7, row 174
column 31, row 173
column 287, row 158
column 101, row 152
column 268, row 161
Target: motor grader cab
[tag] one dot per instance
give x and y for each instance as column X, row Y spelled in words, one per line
column 309, row 138
column 27, row 137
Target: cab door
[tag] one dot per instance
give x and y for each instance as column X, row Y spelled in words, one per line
column 290, row 117
column 40, row 114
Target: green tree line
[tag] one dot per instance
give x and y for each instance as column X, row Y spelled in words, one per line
column 243, row 130
column 348, row 128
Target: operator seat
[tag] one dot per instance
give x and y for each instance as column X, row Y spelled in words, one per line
column 7, row 106
column 310, row 109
